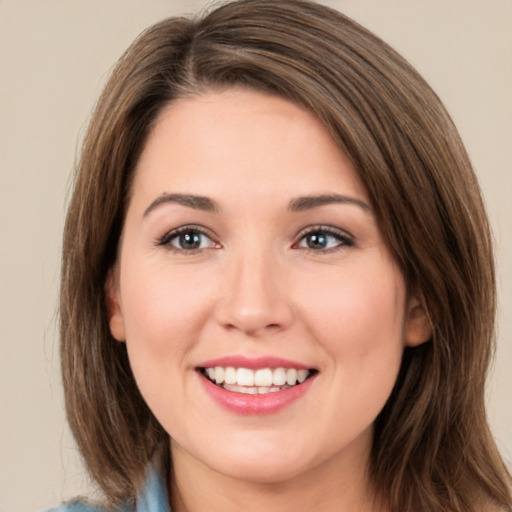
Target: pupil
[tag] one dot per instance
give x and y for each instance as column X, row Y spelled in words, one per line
column 317, row 241
column 190, row 240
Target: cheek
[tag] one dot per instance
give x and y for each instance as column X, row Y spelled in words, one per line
column 358, row 319
column 360, row 306
column 162, row 307
column 163, row 310
column 358, row 322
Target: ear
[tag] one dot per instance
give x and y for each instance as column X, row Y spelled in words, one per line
column 114, row 310
column 418, row 324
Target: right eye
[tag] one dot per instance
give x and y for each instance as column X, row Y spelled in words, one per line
column 187, row 239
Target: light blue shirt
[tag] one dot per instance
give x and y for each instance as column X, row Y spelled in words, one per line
column 152, row 498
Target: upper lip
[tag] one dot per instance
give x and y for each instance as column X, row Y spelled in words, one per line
column 253, row 363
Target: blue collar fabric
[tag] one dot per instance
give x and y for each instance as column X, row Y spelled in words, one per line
column 152, row 498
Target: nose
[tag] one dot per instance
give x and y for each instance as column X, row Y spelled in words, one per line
column 254, row 296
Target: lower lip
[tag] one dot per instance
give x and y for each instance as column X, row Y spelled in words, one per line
column 245, row 404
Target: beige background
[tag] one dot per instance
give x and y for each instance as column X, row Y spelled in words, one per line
column 54, row 57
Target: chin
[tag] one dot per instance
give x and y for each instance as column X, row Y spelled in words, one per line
column 257, row 460
column 277, row 469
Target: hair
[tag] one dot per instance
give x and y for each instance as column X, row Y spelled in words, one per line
column 432, row 447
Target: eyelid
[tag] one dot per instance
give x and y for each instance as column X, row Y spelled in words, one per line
column 164, row 240
column 345, row 238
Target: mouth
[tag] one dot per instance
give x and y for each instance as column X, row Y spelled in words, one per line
column 261, row 381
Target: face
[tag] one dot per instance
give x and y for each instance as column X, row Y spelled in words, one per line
column 263, row 314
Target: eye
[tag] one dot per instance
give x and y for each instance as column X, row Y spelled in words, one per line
column 324, row 239
column 187, row 239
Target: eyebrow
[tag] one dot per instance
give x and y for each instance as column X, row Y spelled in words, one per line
column 197, row 202
column 300, row 204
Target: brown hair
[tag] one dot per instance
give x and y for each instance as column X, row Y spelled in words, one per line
column 432, row 446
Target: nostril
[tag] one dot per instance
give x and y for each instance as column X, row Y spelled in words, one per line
column 253, row 330
column 254, row 310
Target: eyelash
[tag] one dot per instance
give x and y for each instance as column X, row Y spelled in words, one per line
column 165, row 241
column 343, row 239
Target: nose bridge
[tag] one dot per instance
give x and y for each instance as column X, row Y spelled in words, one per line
column 254, row 300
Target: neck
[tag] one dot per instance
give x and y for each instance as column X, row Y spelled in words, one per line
column 335, row 485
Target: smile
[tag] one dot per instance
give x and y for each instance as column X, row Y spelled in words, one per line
column 255, row 382
column 255, row 386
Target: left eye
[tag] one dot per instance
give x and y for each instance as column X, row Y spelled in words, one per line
column 187, row 240
column 323, row 240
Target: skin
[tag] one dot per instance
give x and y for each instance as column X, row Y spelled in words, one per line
column 256, row 288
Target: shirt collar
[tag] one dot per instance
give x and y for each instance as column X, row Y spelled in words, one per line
column 154, row 496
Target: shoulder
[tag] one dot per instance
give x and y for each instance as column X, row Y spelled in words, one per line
column 84, row 505
column 153, row 497
column 77, row 505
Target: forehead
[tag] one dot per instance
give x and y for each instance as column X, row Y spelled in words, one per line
column 245, row 143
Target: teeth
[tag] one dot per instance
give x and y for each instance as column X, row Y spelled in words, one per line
column 263, row 377
column 302, row 375
column 291, row 376
column 279, row 377
column 253, row 390
column 264, row 380
column 229, row 376
column 219, row 374
column 245, row 377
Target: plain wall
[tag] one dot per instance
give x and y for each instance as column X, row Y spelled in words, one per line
column 54, row 58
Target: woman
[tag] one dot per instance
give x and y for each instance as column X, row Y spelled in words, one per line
column 278, row 288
